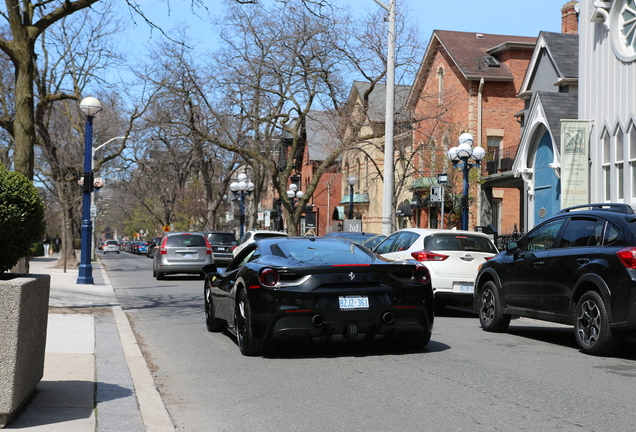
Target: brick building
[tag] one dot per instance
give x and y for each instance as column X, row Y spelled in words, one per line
column 468, row 82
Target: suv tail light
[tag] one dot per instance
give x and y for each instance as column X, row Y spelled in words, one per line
column 208, row 247
column 628, row 257
column 425, row 255
column 162, row 249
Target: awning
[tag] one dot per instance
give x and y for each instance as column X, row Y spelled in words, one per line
column 357, row 199
column 338, row 213
column 423, row 183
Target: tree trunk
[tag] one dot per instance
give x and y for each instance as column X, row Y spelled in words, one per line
column 24, row 123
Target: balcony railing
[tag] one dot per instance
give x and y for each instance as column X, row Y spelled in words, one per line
column 500, row 160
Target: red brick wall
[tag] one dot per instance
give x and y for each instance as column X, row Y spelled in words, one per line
column 569, row 18
column 459, row 113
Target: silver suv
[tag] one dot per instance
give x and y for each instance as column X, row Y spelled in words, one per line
column 181, row 252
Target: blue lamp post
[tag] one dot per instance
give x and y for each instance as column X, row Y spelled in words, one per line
column 241, row 189
column 90, row 106
column 465, row 152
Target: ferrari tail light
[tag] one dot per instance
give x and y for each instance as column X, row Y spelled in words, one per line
column 208, row 247
column 425, row 255
column 268, row 277
column 422, row 274
column 628, row 257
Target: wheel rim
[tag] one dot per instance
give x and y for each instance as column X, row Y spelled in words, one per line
column 487, row 309
column 240, row 320
column 589, row 323
column 209, row 313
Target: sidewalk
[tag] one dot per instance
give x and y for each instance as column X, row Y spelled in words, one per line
column 95, row 376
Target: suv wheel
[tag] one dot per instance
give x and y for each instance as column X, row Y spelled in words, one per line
column 489, row 308
column 591, row 326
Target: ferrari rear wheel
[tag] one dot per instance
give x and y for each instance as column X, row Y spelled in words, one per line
column 211, row 321
column 248, row 345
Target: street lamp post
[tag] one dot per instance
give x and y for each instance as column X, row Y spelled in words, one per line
column 90, row 106
column 242, row 189
column 352, row 182
column 465, row 152
column 442, row 179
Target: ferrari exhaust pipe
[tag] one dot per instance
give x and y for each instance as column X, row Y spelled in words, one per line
column 317, row 320
column 388, row 318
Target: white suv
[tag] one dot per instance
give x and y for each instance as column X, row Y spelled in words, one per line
column 452, row 256
column 110, row 246
column 253, row 235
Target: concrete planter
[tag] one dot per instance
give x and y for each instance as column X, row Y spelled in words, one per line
column 24, row 303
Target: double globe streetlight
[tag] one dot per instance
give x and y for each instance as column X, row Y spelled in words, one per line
column 465, row 152
column 242, row 189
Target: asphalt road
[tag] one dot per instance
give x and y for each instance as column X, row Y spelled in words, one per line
column 531, row 378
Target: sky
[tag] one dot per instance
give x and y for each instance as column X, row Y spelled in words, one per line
column 508, row 17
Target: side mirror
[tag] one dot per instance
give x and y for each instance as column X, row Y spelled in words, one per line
column 209, row 269
column 512, row 247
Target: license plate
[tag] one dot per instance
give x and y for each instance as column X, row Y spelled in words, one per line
column 465, row 287
column 354, row 302
column 187, row 255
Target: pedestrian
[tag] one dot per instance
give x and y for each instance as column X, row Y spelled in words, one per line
column 46, row 243
column 57, row 242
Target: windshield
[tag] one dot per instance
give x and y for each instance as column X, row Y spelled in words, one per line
column 308, row 252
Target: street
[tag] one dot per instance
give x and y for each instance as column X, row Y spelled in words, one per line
column 531, row 378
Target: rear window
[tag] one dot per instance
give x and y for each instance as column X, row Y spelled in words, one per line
column 111, row 242
column 322, row 252
column 186, row 240
column 259, row 236
column 456, row 242
column 222, row 239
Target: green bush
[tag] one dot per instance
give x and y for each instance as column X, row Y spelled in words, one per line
column 21, row 217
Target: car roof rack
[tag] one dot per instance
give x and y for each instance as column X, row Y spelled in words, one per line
column 612, row 207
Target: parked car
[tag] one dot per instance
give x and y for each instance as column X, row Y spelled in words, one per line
column 254, row 235
column 222, row 245
column 452, row 256
column 369, row 240
column 152, row 245
column 181, row 252
column 141, row 248
column 110, row 246
column 318, row 289
column 577, row 267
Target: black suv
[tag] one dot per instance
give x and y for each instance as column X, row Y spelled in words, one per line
column 578, row 268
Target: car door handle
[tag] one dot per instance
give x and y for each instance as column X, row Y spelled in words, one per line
column 582, row 261
column 538, row 263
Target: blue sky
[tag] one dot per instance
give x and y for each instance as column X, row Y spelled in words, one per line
column 512, row 17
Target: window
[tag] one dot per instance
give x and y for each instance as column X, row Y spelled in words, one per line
column 631, row 136
column 605, row 139
column 542, row 237
column 440, row 84
column 582, row 232
column 618, row 157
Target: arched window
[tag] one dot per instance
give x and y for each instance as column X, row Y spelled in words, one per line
column 440, row 85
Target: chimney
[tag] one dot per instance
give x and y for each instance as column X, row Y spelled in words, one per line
column 570, row 17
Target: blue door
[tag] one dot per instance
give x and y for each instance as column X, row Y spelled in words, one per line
column 547, row 186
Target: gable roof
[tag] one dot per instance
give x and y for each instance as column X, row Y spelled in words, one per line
column 468, row 52
column 377, row 100
column 322, row 137
column 563, row 51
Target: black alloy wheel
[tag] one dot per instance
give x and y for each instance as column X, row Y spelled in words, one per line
column 412, row 340
column 591, row 326
column 211, row 321
column 489, row 308
column 248, row 345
